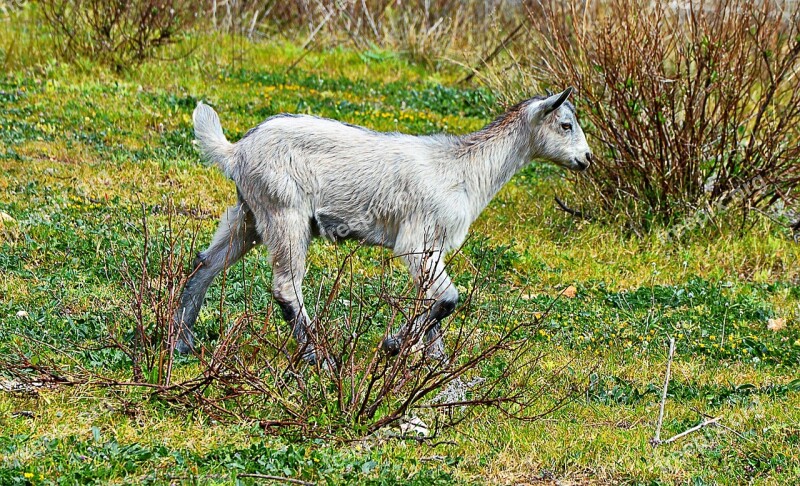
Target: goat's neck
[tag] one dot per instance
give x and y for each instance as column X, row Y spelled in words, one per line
column 491, row 157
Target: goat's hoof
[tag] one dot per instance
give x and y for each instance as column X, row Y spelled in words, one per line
column 184, row 346
column 391, row 346
column 310, row 357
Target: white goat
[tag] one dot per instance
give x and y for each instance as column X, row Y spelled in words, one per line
column 301, row 176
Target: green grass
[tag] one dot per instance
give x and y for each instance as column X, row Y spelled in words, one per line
column 82, row 150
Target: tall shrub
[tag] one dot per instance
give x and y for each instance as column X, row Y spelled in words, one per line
column 116, row 32
column 691, row 105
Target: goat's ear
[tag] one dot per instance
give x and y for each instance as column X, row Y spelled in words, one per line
column 552, row 103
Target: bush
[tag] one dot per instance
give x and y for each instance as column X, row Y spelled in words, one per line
column 424, row 30
column 118, row 33
column 692, row 106
column 247, row 367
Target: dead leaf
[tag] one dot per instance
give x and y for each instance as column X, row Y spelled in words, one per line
column 776, row 325
column 570, row 292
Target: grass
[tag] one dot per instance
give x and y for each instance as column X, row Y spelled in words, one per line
column 82, row 150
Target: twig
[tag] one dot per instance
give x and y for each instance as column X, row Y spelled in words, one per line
column 497, row 50
column 275, row 478
column 689, row 431
column 657, row 438
column 311, row 38
column 707, row 416
column 569, row 210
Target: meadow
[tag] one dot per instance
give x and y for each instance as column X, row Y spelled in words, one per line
column 85, row 151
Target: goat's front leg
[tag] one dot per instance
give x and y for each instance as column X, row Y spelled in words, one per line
column 235, row 236
column 429, row 274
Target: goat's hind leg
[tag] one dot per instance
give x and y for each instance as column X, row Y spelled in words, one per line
column 235, row 236
column 287, row 236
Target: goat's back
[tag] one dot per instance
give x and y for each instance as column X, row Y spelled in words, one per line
column 334, row 169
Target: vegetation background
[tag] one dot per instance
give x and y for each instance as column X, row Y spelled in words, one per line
column 684, row 230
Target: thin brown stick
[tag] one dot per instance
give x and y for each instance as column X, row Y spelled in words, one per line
column 568, row 210
column 497, row 50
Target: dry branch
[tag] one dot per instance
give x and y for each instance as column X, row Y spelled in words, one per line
column 657, row 439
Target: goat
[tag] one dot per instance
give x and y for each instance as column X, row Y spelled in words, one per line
column 300, row 176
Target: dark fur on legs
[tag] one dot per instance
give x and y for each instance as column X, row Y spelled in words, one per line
column 235, row 236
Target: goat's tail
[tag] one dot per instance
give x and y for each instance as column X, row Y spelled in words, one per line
column 212, row 142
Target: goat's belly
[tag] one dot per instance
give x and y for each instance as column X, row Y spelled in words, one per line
column 364, row 228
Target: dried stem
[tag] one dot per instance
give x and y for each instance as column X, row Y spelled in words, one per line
column 657, row 439
column 686, row 432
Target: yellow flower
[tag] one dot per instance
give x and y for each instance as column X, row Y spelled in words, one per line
column 28, row 475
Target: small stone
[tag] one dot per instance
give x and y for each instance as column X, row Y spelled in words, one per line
column 22, row 314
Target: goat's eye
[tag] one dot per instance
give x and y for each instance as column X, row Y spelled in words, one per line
column 566, row 126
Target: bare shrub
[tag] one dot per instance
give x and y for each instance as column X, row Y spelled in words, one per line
column 241, row 16
column 424, row 30
column 254, row 371
column 688, row 102
column 154, row 283
column 118, row 33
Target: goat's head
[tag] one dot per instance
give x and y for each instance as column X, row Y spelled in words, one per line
column 556, row 133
